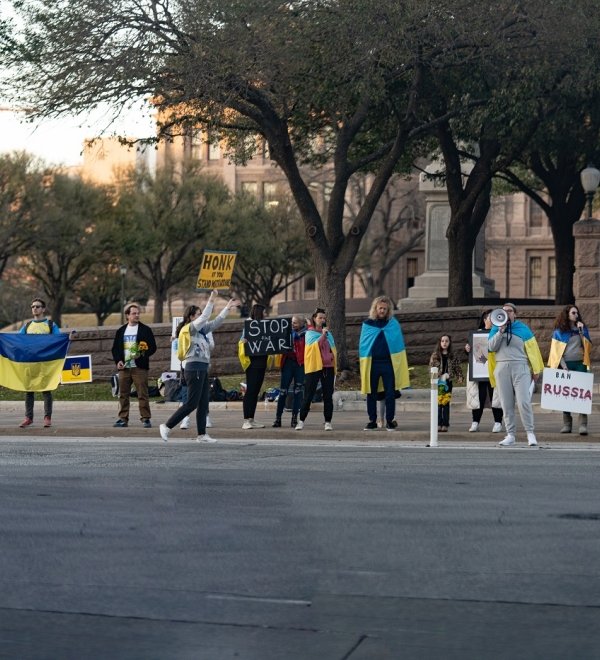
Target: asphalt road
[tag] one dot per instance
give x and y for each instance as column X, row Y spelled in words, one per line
column 252, row 550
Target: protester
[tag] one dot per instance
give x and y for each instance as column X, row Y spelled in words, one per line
column 255, row 367
column 383, row 364
column 39, row 325
column 571, row 350
column 480, row 393
column 292, row 371
column 190, row 313
column 514, row 359
column 133, row 345
column 196, row 363
column 449, row 370
column 320, row 362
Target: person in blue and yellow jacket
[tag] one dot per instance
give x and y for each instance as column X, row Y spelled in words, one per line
column 383, row 364
column 514, row 359
column 571, row 349
column 320, row 364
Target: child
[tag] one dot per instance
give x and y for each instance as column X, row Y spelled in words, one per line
column 449, row 369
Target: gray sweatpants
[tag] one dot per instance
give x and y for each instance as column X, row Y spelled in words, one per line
column 513, row 380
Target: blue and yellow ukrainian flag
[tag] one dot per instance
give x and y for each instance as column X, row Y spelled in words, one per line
column 532, row 350
column 395, row 341
column 32, row 363
column 77, row 369
column 312, row 353
column 560, row 339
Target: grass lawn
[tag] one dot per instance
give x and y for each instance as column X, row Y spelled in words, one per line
column 100, row 391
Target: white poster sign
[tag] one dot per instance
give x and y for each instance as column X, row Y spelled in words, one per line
column 175, row 363
column 569, row 391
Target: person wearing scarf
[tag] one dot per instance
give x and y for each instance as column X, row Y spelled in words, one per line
column 513, row 356
column 571, row 349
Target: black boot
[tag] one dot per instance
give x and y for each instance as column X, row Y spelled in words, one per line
column 277, row 423
column 294, row 421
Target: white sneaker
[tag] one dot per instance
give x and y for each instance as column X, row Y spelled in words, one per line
column 256, row 425
column 299, row 425
column 328, row 426
column 185, row 423
column 474, row 427
column 531, row 441
column 247, row 425
column 209, row 424
column 508, row 441
column 497, row 427
column 165, row 432
column 205, row 438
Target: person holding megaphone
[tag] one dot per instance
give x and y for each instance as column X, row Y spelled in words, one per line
column 514, row 358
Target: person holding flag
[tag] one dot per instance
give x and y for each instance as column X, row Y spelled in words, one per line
column 570, row 350
column 320, row 363
column 514, row 358
column 39, row 325
column 32, row 360
column 383, row 364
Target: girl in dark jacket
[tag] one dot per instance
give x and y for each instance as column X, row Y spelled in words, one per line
column 449, row 369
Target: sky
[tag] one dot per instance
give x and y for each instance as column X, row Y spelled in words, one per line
column 60, row 141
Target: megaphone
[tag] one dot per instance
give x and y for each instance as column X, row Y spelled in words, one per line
column 498, row 317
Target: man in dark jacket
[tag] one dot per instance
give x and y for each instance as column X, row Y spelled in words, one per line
column 133, row 345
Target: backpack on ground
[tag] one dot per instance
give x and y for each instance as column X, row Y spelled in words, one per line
column 217, row 391
column 184, row 341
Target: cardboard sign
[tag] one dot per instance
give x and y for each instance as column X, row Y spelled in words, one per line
column 216, row 270
column 268, row 336
column 569, row 391
column 77, row 369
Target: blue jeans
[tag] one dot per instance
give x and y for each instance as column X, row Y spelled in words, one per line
column 291, row 371
column 382, row 369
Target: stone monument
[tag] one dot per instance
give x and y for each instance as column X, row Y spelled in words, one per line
column 433, row 283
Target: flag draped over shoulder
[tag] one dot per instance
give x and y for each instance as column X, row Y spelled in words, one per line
column 530, row 345
column 560, row 339
column 395, row 341
column 32, row 363
column 312, row 353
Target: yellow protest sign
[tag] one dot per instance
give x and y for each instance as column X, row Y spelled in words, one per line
column 216, row 270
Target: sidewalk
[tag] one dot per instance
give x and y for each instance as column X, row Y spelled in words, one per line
column 91, row 419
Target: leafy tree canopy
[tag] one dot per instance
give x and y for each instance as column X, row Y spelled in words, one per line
column 352, row 82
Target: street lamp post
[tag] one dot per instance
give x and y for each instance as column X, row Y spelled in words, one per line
column 123, row 271
column 590, row 178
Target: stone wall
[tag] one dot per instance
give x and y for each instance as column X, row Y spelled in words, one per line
column 421, row 331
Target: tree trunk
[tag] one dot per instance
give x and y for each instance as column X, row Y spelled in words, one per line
column 56, row 309
column 332, row 289
column 460, row 260
column 159, row 302
column 564, row 249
